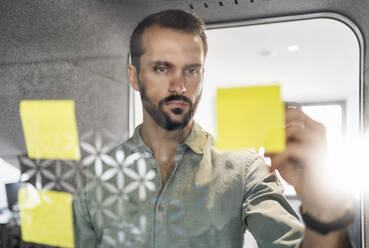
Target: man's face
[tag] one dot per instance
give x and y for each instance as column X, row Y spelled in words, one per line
column 171, row 76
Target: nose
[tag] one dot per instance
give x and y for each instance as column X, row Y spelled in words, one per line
column 177, row 84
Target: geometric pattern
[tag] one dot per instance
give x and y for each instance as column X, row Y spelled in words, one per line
column 65, row 175
column 122, row 179
column 62, row 178
column 96, row 152
column 35, row 170
column 47, row 174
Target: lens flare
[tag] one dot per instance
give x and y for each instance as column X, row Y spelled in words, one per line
column 348, row 166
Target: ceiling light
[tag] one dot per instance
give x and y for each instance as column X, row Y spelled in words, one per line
column 293, row 48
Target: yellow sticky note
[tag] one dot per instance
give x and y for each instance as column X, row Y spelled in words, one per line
column 46, row 217
column 50, row 129
column 250, row 117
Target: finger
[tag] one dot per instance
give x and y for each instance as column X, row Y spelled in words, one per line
column 294, row 133
column 293, row 155
column 294, row 105
column 306, row 136
column 290, row 165
column 293, row 115
column 313, row 124
column 286, row 164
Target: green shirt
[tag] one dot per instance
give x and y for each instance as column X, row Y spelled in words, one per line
column 209, row 200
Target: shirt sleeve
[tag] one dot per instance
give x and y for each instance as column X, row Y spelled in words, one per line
column 266, row 212
column 84, row 234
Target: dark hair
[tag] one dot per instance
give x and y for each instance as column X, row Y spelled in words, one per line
column 174, row 19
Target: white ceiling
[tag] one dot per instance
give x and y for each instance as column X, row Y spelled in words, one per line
column 327, row 62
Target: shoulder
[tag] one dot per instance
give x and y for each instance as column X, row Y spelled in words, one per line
column 246, row 165
column 234, row 159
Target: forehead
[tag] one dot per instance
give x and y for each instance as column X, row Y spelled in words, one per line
column 166, row 42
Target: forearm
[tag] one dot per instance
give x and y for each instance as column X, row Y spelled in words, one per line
column 336, row 239
column 327, row 226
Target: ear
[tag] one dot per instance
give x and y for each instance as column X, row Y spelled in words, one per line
column 132, row 76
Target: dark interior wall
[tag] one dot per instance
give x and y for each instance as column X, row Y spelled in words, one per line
column 64, row 50
column 46, row 30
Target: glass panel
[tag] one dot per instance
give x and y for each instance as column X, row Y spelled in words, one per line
column 126, row 203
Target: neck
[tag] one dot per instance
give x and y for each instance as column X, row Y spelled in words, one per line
column 162, row 143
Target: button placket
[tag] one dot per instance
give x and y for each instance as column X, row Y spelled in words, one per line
column 160, row 223
column 159, row 213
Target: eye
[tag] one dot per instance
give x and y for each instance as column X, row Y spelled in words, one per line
column 160, row 68
column 194, row 71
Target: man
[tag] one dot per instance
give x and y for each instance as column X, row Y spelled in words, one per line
column 174, row 189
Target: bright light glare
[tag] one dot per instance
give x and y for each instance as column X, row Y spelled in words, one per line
column 348, row 165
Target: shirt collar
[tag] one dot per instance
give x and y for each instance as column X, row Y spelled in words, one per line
column 196, row 139
column 137, row 140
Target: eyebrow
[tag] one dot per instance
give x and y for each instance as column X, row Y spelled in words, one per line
column 196, row 65
column 159, row 62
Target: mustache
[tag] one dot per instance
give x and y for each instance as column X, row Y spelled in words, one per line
column 174, row 98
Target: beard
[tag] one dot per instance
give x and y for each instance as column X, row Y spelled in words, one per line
column 162, row 118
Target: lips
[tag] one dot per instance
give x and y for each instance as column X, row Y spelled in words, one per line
column 177, row 103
